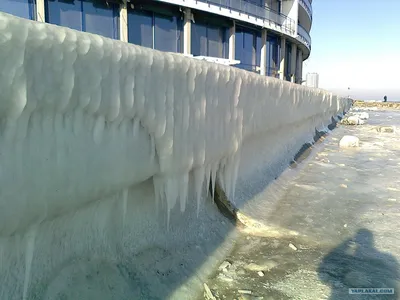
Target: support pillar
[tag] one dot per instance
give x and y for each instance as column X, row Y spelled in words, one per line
column 232, row 41
column 300, row 67
column 187, row 31
column 263, row 57
column 282, row 59
column 293, row 67
column 123, row 22
column 40, row 14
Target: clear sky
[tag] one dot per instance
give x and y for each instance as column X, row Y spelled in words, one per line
column 356, row 44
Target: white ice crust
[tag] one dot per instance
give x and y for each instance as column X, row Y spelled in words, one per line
column 83, row 116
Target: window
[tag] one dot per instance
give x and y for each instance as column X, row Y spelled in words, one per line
column 19, row 8
column 167, row 33
column 199, row 39
column 155, row 30
column 273, row 49
column 92, row 16
column 248, row 48
column 100, row 18
column 209, row 40
column 288, row 61
column 275, row 5
column 140, row 30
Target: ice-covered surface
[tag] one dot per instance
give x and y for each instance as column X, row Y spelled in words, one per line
column 340, row 208
column 85, row 118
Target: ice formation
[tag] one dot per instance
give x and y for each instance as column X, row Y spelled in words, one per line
column 83, row 116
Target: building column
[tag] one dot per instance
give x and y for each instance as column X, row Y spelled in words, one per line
column 263, row 57
column 187, row 31
column 40, row 14
column 282, row 59
column 232, row 41
column 300, row 70
column 123, row 22
column 294, row 63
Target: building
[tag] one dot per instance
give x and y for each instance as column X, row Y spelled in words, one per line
column 270, row 37
column 312, row 80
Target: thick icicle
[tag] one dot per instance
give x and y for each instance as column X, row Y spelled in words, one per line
column 235, row 174
column 214, row 169
column 136, row 126
column 152, row 148
column 208, row 175
column 171, row 193
column 124, row 205
column 98, row 129
column 159, row 192
column 198, row 183
column 183, row 191
column 30, row 248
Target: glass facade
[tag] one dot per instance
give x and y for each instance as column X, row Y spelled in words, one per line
column 209, row 40
column 248, row 48
column 158, row 31
column 160, row 27
column 273, row 54
column 19, row 8
column 274, row 5
column 288, row 62
column 140, row 28
column 94, row 16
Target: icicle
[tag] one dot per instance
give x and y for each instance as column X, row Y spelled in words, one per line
column 77, row 123
column 208, row 175
column 124, row 205
column 98, row 129
column 183, row 191
column 214, row 169
column 159, row 191
column 198, row 183
column 235, row 173
column 136, row 126
column 10, row 129
column 228, row 172
column 221, row 172
column 152, row 149
column 29, row 250
column 171, row 194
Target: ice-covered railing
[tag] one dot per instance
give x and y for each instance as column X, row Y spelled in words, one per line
column 84, row 116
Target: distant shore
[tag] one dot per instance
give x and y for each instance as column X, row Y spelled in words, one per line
column 360, row 103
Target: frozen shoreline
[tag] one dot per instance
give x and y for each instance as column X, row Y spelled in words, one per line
column 107, row 153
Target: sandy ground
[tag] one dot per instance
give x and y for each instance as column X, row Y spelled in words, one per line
column 334, row 224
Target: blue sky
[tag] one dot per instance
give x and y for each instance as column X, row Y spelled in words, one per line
column 356, row 44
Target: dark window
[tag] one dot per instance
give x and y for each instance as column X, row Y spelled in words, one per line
column 215, row 41
column 258, row 49
column 19, row 8
column 140, row 30
column 199, row 39
column 100, row 18
column 288, row 61
column 209, row 40
column 273, row 49
column 248, row 48
column 167, row 33
column 274, row 5
column 65, row 13
column 92, row 16
column 155, row 30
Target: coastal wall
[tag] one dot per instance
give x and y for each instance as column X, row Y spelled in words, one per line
column 107, row 150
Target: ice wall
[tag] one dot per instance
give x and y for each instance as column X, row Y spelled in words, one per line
column 84, row 117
